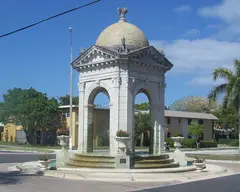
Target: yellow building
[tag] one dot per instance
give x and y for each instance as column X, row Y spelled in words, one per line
column 10, row 132
column 66, row 113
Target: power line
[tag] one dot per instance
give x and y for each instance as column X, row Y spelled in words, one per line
column 49, row 18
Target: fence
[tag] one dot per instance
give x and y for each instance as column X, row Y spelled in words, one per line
column 21, row 137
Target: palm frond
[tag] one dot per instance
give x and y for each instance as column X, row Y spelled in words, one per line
column 216, row 91
column 236, row 64
column 223, row 73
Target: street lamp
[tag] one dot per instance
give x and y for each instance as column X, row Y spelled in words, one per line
column 70, row 122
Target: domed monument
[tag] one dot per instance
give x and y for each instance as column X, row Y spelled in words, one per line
column 121, row 64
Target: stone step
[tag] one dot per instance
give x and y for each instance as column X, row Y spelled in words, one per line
column 92, row 159
column 155, row 166
column 72, row 163
column 155, row 161
column 151, row 157
column 93, row 155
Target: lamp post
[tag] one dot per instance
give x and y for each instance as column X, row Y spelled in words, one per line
column 70, row 122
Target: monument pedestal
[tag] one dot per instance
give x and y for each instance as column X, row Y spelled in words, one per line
column 123, row 162
column 179, row 157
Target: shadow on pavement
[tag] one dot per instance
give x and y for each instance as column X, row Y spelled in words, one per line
column 222, row 184
column 12, row 178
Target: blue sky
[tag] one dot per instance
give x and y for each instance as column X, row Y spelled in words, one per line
column 196, row 37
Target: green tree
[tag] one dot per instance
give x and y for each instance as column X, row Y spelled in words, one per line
column 142, row 106
column 227, row 117
column 194, row 104
column 65, row 100
column 230, row 89
column 142, row 124
column 145, row 106
column 31, row 109
column 195, row 129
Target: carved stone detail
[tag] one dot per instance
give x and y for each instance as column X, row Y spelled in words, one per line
column 116, row 81
column 98, row 82
column 122, row 12
column 125, row 81
column 146, row 81
column 81, row 86
column 162, row 84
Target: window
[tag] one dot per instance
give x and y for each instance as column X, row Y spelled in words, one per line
column 179, row 120
column 168, row 134
column 66, row 114
column 168, row 120
column 200, row 121
column 189, row 121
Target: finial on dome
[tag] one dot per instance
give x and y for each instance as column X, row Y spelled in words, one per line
column 122, row 12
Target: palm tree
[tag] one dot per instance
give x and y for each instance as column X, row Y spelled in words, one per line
column 230, row 89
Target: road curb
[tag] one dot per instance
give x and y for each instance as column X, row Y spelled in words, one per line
column 221, row 161
column 215, row 161
column 213, row 172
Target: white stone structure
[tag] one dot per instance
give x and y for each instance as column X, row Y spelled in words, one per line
column 121, row 64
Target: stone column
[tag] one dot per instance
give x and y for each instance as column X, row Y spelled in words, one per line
column 88, row 128
column 161, row 117
column 114, row 116
column 157, row 115
column 81, row 86
column 125, row 109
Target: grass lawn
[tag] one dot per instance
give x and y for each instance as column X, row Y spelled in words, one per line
column 26, row 147
column 216, row 157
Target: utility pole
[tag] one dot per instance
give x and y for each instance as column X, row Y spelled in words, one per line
column 71, row 92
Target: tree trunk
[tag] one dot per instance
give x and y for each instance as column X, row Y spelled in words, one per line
column 141, row 139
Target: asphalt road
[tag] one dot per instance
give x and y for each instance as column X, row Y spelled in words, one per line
column 19, row 157
column 22, row 183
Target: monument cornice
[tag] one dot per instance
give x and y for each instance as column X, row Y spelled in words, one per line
column 97, row 56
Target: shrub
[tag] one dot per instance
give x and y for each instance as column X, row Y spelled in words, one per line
column 177, row 134
column 195, row 129
column 189, row 143
column 230, row 142
column 44, row 157
column 103, row 138
column 170, row 142
column 208, row 144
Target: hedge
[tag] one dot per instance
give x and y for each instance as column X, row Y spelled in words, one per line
column 230, row 142
column 191, row 143
column 208, row 144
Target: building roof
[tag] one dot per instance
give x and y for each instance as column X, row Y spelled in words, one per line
column 114, row 35
column 185, row 114
column 190, row 115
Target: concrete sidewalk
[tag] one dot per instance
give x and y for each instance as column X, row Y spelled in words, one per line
column 106, row 175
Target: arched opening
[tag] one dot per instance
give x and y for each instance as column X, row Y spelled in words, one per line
column 142, row 119
column 98, row 131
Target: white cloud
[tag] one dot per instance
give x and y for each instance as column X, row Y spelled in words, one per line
column 192, row 32
column 204, row 81
column 227, row 11
column 182, row 8
column 199, row 57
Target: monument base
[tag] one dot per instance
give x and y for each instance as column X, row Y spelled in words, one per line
column 179, row 157
column 123, row 162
